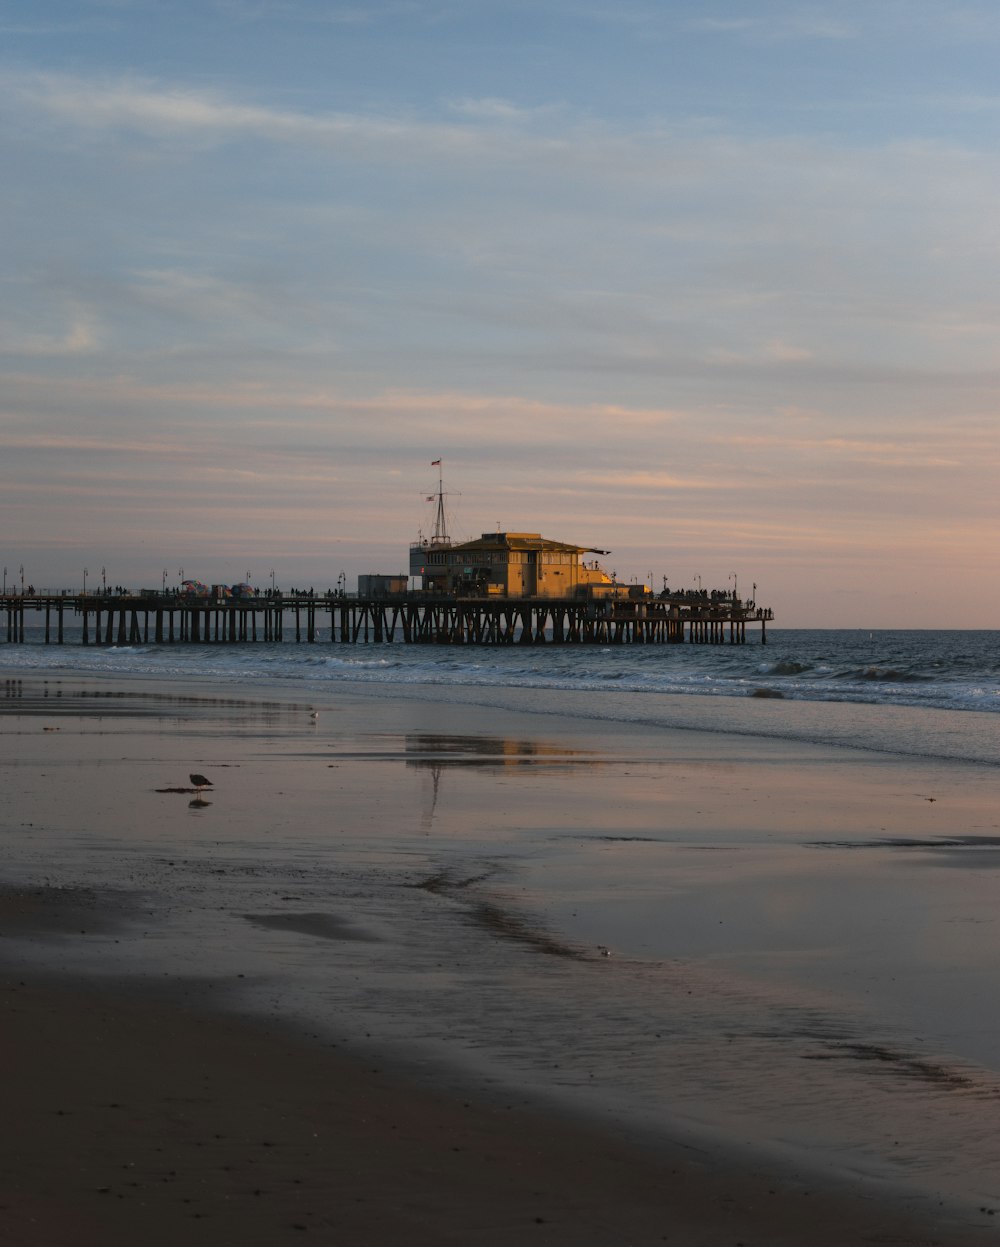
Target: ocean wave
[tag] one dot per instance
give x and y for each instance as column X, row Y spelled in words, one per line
column 947, row 670
column 890, row 675
column 786, row 666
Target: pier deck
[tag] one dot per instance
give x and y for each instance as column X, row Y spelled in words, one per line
column 411, row 618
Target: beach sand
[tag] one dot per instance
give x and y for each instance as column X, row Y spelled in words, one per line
column 146, row 1103
column 134, row 1120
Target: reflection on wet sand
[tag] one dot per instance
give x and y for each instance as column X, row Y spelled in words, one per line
column 50, row 697
column 434, row 753
column 430, row 749
column 424, row 749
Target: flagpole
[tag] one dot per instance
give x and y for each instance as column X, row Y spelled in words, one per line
column 440, row 528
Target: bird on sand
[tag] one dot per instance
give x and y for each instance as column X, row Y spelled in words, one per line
column 200, row 782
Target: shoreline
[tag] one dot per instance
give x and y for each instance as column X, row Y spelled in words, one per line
column 608, row 1176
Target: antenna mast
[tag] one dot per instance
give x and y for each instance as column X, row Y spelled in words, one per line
column 440, row 526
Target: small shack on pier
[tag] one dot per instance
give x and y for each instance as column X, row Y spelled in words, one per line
column 513, row 565
column 377, row 585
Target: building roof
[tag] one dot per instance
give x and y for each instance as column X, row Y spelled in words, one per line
column 525, row 541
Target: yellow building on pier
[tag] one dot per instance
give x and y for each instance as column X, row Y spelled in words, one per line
column 515, row 565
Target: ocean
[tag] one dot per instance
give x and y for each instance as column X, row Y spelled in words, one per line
column 750, row 892
column 946, row 670
column 916, row 671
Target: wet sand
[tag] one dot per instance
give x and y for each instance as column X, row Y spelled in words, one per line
column 149, row 1107
column 135, row 1120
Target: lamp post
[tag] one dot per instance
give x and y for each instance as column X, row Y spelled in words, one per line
column 698, row 579
column 736, row 586
column 272, row 582
column 104, row 581
column 5, row 582
column 84, row 582
column 21, row 570
column 342, row 584
column 248, row 576
column 163, row 587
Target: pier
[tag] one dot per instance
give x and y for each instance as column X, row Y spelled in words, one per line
column 411, row 618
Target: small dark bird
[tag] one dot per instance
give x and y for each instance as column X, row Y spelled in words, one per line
column 200, row 782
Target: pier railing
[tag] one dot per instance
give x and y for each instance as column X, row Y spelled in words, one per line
column 411, row 618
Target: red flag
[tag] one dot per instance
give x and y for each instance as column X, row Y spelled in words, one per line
column 435, row 463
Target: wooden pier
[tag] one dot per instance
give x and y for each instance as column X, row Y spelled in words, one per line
column 411, row 618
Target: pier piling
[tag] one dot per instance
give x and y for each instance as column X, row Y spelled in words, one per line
column 412, row 618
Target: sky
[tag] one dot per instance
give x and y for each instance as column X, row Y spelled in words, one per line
column 710, row 284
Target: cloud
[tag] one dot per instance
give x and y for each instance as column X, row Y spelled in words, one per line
column 75, row 444
column 781, row 178
column 494, row 110
column 793, row 24
column 788, row 185
column 645, row 480
column 910, row 453
column 293, row 410
column 144, row 107
column 43, row 29
column 203, row 296
column 658, row 245
column 82, row 337
column 327, row 14
column 866, row 24
column 779, row 349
